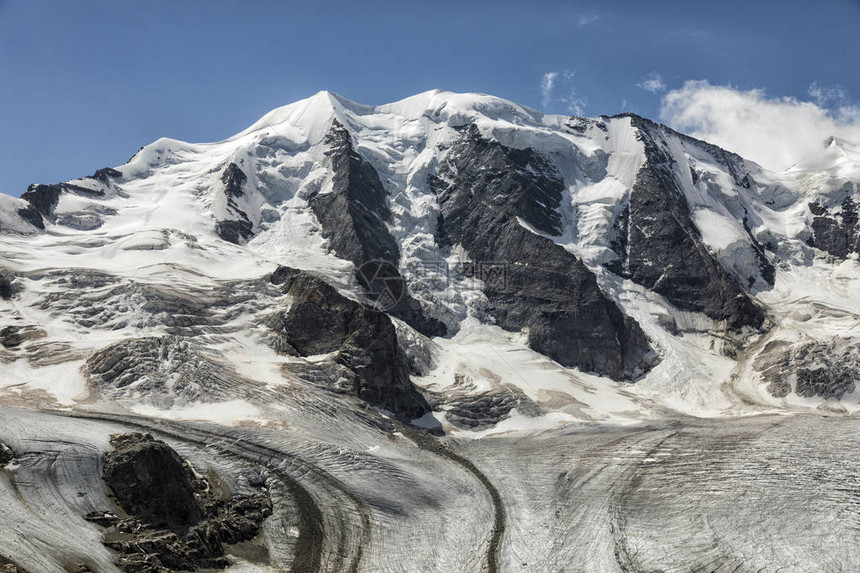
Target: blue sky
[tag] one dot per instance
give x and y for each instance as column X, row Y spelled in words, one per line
column 84, row 84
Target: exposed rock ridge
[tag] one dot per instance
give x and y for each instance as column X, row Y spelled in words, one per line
column 836, row 233
column 239, row 228
column 663, row 250
column 483, row 188
column 353, row 217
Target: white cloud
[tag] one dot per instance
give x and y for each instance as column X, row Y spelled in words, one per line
column 586, row 19
column 547, row 84
column 653, row 83
column 574, row 103
column 776, row 132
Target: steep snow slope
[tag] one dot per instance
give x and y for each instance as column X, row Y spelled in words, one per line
column 175, row 242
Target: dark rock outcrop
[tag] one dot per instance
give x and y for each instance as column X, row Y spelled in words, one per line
column 531, row 282
column 175, row 521
column 235, row 232
column 369, row 363
column 32, row 216
column 822, row 369
column 836, row 233
column 239, row 228
column 234, row 180
column 13, row 336
column 151, row 481
column 660, row 247
column 6, row 455
column 6, row 287
column 105, row 174
column 467, row 409
column 353, row 217
column 43, row 198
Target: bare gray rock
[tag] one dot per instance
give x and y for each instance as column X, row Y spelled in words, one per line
column 367, row 360
column 810, row 369
column 531, row 282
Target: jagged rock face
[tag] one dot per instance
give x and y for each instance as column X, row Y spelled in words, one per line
column 482, row 187
column 661, row 248
column 241, row 228
column 233, row 179
column 353, row 217
column 43, row 198
column 810, row 369
column 105, row 174
column 320, row 321
column 836, row 233
column 151, row 481
column 353, row 214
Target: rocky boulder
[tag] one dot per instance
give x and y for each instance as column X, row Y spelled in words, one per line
column 151, row 481
column 6, row 455
column 175, row 520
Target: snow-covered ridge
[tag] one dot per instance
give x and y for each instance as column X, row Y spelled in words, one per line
column 155, row 224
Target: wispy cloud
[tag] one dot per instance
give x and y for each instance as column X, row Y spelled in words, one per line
column 547, row 84
column 830, row 97
column 553, row 82
column 776, row 132
column 653, row 83
column 586, row 19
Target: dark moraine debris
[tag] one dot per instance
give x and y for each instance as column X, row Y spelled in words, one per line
column 483, row 188
column 175, row 521
column 658, row 220
column 9, row 566
column 370, row 363
column 239, row 228
column 353, row 217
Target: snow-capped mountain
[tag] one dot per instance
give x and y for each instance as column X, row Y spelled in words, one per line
column 455, row 259
column 242, row 355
